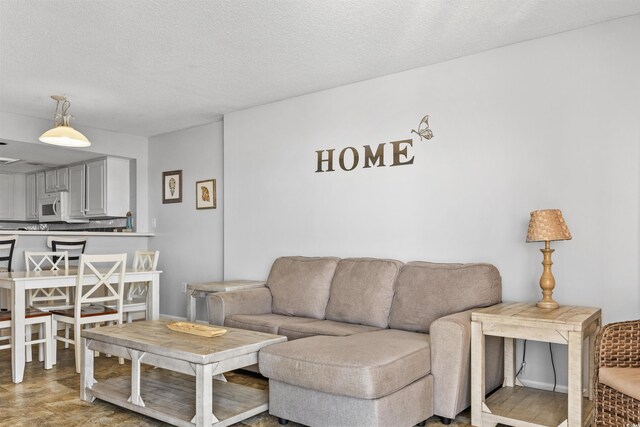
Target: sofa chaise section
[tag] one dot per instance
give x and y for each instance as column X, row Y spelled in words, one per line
column 351, row 379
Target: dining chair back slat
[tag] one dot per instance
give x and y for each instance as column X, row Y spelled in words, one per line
column 52, row 261
column 143, row 261
column 74, row 246
column 100, row 290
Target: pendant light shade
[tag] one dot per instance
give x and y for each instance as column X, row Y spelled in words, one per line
column 63, row 134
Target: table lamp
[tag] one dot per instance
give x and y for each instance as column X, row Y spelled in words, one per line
column 547, row 225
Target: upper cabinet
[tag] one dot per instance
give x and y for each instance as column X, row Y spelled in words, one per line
column 57, row 180
column 99, row 188
column 31, row 197
column 77, row 194
column 40, row 186
column 6, row 194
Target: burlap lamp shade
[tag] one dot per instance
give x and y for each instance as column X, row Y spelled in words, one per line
column 547, row 225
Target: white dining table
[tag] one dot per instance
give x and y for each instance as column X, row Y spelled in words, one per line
column 18, row 282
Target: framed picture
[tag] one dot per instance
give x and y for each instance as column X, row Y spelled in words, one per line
column 206, row 194
column 172, row 187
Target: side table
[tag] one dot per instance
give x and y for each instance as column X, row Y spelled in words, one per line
column 514, row 404
column 201, row 290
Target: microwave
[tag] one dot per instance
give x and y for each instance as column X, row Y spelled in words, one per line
column 53, row 207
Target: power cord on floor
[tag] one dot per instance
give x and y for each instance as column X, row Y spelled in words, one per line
column 553, row 365
column 524, row 352
column 523, row 363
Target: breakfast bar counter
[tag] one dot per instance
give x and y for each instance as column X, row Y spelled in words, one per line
column 74, row 233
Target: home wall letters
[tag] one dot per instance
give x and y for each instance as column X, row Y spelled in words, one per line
column 399, row 152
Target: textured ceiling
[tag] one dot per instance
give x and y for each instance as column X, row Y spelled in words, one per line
column 147, row 67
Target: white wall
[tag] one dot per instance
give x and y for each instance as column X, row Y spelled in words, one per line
column 189, row 240
column 549, row 123
column 15, row 127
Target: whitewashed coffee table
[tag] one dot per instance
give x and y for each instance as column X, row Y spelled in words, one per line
column 162, row 397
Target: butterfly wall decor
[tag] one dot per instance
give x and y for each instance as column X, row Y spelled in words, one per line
column 423, row 129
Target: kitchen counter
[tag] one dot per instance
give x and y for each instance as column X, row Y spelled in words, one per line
column 75, row 233
column 98, row 242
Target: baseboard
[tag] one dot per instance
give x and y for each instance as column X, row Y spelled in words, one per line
column 544, row 386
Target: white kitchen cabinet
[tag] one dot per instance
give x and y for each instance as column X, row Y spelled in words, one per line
column 50, row 181
column 62, row 179
column 77, row 192
column 57, row 180
column 96, row 183
column 40, row 184
column 31, row 197
column 6, row 196
column 107, row 188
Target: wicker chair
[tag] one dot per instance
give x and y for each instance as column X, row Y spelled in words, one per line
column 618, row 346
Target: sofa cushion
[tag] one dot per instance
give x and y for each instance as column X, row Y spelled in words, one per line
column 362, row 291
column 367, row 365
column 294, row 331
column 300, row 285
column 427, row 291
column 269, row 323
column 625, row 380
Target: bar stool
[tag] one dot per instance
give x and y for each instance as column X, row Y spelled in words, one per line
column 7, row 246
column 75, row 246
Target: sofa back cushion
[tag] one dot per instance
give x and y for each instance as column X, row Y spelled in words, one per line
column 362, row 291
column 427, row 291
column 300, row 285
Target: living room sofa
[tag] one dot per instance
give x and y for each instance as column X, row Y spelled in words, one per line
column 371, row 342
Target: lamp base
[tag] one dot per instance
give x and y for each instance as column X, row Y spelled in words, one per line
column 547, row 281
column 548, row 304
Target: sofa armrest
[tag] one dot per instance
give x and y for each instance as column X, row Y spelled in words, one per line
column 248, row 301
column 451, row 363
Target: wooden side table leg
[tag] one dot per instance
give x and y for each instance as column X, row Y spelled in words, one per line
column 477, row 373
column 509, row 363
column 575, row 350
column 191, row 305
column 592, row 355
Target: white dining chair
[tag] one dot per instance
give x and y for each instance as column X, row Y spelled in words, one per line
column 135, row 294
column 48, row 299
column 45, row 339
column 93, row 290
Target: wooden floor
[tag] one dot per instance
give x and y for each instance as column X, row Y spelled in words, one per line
column 51, row 398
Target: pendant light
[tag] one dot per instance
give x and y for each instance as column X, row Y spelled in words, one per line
column 62, row 134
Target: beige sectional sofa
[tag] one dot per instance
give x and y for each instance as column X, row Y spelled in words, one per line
column 372, row 342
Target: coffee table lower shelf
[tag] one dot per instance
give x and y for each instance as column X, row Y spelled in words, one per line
column 530, row 407
column 172, row 399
